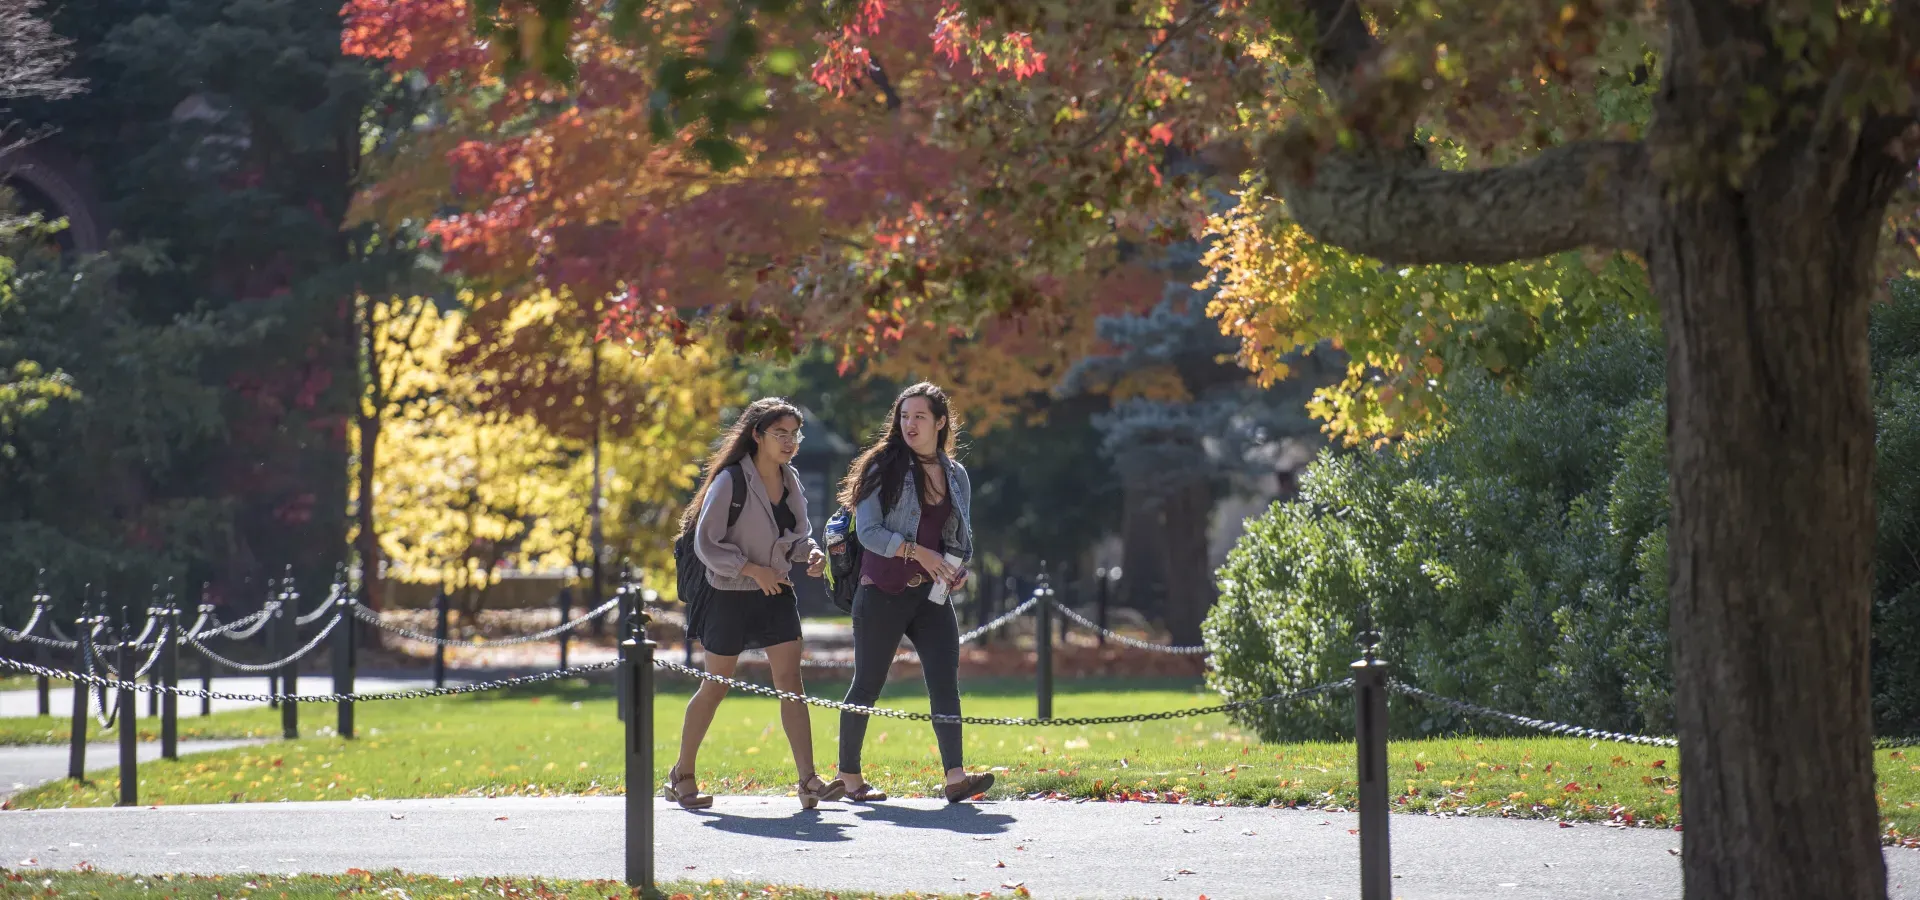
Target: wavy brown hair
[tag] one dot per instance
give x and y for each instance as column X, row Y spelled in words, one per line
column 741, row 441
column 883, row 466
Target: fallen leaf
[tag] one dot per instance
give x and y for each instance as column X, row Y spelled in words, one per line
column 1566, row 824
column 1675, row 851
column 396, row 815
column 1185, row 872
column 999, row 865
column 359, row 873
column 499, row 818
column 1249, row 832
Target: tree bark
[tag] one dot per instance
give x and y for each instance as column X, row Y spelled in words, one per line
column 1185, row 512
column 1765, row 292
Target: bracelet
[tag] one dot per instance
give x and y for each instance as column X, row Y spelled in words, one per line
column 906, row 550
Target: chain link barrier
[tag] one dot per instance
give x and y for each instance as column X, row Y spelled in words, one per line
column 1000, row 621
column 411, row 694
column 159, row 645
column 1474, row 709
column 1118, row 638
column 942, row 718
column 24, row 635
column 194, row 642
column 374, row 619
column 232, row 631
column 321, row 610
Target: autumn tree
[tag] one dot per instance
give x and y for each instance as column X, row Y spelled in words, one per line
column 1746, row 154
column 463, row 483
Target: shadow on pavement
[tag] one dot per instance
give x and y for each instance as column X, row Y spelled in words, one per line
column 964, row 818
column 805, row 825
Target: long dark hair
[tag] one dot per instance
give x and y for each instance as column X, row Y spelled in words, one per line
column 883, row 466
column 740, row 442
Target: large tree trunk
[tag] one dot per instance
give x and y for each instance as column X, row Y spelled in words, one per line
column 1186, row 509
column 1766, row 293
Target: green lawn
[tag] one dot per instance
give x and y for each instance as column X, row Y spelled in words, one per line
column 565, row 740
column 393, row 884
column 15, row 731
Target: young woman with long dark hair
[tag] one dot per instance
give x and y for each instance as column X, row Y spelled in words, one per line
column 752, row 605
column 911, row 503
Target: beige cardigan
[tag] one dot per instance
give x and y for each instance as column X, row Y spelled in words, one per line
column 754, row 537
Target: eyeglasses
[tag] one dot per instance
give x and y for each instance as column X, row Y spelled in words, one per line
column 787, row 437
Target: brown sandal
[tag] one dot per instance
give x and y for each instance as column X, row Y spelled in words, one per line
column 810, row 796
column 866, row 794
column 690, row 797
column 970, row 786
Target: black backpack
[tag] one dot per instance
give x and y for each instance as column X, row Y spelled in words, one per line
column 691, row 571
column 843, row 559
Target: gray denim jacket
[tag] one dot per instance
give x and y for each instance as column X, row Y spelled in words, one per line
column 883, row 534
column 755, row 537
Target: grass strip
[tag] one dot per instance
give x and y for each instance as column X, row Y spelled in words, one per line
column 565, row 740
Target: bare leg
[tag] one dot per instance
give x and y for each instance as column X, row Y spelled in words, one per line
column 700, row 709
column 784, row 659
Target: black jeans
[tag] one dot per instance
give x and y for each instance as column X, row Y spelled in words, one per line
column 880, row 619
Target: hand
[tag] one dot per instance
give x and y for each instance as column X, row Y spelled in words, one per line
column 959, row 579
column 770, row 582
column 816, row 563
column 935, row 564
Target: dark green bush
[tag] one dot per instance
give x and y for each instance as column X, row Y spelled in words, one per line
column 1518, row 559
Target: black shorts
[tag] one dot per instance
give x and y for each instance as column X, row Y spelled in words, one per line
column 728, row 623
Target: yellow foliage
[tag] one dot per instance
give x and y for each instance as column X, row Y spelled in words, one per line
column 461, row 487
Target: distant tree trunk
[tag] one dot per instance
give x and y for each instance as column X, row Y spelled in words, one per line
column 1142, row 582
column 1766, row 293
column 1186, row 509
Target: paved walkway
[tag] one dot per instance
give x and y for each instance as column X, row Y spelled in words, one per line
column 24, row 767
column 15, row 704
column 1056, row 849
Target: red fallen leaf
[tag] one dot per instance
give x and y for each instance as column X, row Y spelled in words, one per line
column 999, row 865
column 1573, row 787
column 1566, row 824
column 277, row 762
column 1185, row 872
column 1676, row 828
column 1419, row 766
column 1657, row 764
column 499, row 818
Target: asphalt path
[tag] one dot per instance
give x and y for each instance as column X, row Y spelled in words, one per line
column 1055, row 849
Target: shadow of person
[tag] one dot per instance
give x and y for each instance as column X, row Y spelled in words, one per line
column 963, row 818
column 805, row 825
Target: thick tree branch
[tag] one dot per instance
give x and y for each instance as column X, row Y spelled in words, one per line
column 1580, row 195
column 1380, row 198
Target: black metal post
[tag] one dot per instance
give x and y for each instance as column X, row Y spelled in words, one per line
column 290, row 673
column 440, row 633
column 636, row 655
column 169, row 667
column 1043, row 645
column 343, row 661
column 42, row 685
column 1100, row 603
column 273, row 649
column 206, row 672
column 1370, row 713
column 565, row 600
column 128, row 708
column 77, row 735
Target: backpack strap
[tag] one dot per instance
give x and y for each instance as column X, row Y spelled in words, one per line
column 739, row 481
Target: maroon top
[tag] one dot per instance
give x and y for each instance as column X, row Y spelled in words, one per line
column 891, row 573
